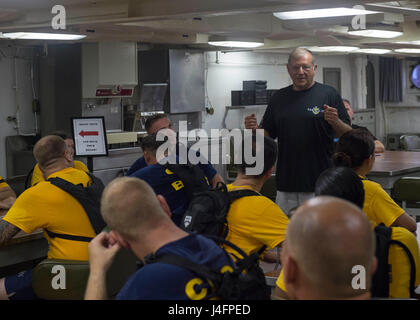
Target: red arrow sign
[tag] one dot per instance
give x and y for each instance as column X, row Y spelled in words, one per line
column 88, row 133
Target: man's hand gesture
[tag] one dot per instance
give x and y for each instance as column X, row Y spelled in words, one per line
column 102, row 250
column 251, row 122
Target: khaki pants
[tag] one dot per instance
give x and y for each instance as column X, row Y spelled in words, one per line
column 290, row 200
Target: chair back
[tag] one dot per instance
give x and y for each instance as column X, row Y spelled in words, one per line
column 17, row 183
column 55, row 279
column 407, row 189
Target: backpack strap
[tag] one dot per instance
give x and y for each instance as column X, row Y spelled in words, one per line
column 225, row 285
column 192, row 177
column 233, row 196
column 199, row 269
column 237, row 194
column 380, row 279
column 412, row 263
column 382, row 251
column 68, row 236
column 88, row 197
column 235, row 247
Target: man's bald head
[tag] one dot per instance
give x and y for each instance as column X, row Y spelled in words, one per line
column 327, row 237
column 49, row 150
column 130, row 206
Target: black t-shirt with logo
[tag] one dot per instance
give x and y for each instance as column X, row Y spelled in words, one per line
column 305, row 139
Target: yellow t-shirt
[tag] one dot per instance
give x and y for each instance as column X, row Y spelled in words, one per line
column 378, row 205
column 400, row 265
column 3, row 184
column 37, row 174
column 253, row 222
column 399, row 286
column 48, row 207
column 280, row 281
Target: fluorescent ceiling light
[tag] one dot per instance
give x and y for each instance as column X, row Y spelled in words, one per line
column 321, row 13
column 415, row 42
column 386, row 34
column 407, row 50
column 373, row 51
column 237, row 44
column 333, row 49
column 42, row 36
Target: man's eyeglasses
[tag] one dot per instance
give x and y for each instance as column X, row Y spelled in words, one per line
column 305, row 68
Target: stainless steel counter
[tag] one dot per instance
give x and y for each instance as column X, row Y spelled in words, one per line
column 115, row 164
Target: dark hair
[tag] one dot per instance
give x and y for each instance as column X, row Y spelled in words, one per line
column 346, row 100
column 150, row 143
column 353, row 147
column 150, row 121
column 341, row 182
column 270, row 154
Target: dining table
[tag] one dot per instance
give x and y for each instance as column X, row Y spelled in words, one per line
column 23, row 248
column 390, row 166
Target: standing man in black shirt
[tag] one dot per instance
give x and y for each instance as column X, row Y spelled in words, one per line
column 379, row 147
column 304, row 117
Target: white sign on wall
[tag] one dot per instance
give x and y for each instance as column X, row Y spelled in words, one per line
column 89, row 136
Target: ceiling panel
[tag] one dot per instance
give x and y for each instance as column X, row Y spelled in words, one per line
column 192, row 22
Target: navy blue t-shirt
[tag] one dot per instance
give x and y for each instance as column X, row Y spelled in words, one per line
column 204, row 164
column 160, row 281
column 305, row 139
column 167, row 184
column 140, row 163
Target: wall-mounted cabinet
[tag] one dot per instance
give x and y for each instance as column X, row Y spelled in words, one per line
column 182, row 70
column 108, row 66
column 186, row 71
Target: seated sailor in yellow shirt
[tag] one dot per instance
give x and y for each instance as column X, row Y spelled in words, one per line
column 343, row 182
column 255, row 221
column 37, row 174
column 45, row 206
column 355, row 150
